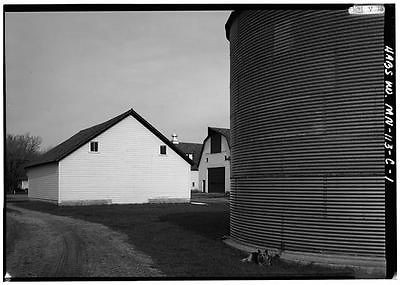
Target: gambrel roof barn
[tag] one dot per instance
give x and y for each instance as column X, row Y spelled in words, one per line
column 214, row 161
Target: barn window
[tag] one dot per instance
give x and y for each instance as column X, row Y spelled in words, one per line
column 163, row 149
column 190, row 155
column 94, row 146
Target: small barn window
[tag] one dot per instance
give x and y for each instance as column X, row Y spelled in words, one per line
column 94, row 146
column 163, row 149
column 190, row 155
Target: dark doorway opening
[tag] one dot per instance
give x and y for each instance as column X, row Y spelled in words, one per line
column 216, row 180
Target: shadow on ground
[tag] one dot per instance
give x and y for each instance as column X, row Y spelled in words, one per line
column 213, row 225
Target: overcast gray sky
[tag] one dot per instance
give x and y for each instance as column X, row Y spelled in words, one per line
column 68, row 71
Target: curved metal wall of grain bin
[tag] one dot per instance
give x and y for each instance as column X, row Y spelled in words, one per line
column 307, row 127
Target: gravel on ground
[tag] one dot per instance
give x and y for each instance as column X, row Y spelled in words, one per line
column 45, row 245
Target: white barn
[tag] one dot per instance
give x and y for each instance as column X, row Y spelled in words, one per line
column 214, row 162
column 123, row 160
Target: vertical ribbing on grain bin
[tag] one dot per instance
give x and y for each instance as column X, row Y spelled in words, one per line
column 307, row 127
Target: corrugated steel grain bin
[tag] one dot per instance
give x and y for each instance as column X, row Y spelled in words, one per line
column 307, row 127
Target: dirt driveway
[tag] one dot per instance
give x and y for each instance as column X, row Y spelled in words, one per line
column 45, row 245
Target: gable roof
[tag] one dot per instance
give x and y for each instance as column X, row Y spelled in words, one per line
column 84, row 136
column 194, row 148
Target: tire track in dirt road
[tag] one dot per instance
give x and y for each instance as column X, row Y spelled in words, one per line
column 57, row 246
column 71, row 257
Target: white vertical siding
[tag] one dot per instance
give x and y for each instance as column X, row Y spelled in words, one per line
column 195, row 179
column 127, row 169
column 43, row 182
column 224, row 146
column 214, row 160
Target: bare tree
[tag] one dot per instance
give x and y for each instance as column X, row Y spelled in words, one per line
column 20, row 149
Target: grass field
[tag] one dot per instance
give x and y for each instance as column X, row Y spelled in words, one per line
column 184, row 240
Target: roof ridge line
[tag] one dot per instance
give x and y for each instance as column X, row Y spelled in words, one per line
column 68, row 146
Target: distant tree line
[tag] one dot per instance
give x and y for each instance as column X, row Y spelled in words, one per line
column 19, row 151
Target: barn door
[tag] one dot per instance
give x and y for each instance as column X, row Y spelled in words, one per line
column 216, row 180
